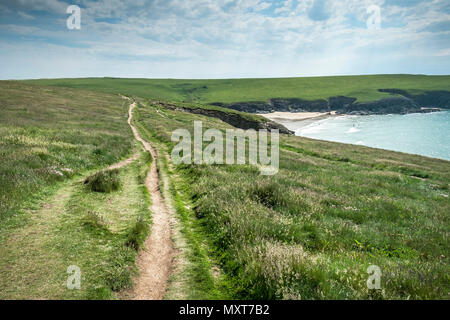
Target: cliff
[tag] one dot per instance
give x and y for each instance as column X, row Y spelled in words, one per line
column 401, row 102
column 235, row 119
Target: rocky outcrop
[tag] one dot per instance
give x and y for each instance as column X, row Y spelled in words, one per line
column 250, row 107
column 299, row 105
column 340, row 102
column 397, row 105
column 235, row 119
column 278, row 104
column 402, row 102
column 428, row 99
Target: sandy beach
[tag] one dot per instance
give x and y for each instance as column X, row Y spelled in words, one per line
column 296, row 120
column 296, row 116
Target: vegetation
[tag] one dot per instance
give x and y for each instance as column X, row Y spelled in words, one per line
column 364, row 88
column 51, row 221
column 312, row 230
column 48, row 135
column 104, row 181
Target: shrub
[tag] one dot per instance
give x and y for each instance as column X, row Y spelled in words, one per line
column 137, row 234
column 104, row 181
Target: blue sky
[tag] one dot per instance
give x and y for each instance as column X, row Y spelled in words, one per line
column 222, row 38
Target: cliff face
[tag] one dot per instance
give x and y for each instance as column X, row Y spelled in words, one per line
column 234, row 119
column 401, row 103
column 429, row 99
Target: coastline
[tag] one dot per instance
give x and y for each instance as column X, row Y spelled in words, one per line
column 415, row 133
column 296, row 116
column 297, row 120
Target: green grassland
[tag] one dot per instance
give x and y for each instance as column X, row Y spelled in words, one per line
column 364, row 88
column 50, row 140
column 312, row 230
column 51, row 134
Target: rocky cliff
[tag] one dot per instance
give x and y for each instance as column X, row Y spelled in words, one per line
column 235, row 119
column 400, row 103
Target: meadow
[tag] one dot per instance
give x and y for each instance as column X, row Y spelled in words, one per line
column 364, row 88
column 51, row 141
column 312, row 230
column 308, row 232
column 51, row 134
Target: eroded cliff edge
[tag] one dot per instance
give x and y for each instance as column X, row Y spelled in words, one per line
column 238, row 120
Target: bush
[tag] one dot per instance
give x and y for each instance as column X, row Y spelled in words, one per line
column 104, row 181
column 137, row 234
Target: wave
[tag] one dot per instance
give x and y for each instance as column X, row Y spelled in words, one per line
column 353, row 130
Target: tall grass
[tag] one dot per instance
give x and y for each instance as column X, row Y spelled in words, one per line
column 50, row 134
column 312, row 230
column 104, row 181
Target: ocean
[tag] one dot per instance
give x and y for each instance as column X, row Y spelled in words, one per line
column 425, row 134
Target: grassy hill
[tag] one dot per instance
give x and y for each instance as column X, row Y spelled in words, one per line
column 44, row 130
column 311, row 231
column 364, row 88
column 50, row 139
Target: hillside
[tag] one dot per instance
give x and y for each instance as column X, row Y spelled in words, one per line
column 312, row 230
column 52, row 141
column 308, row 232
column 363, row 88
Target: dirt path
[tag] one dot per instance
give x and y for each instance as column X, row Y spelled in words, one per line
column 155, row 261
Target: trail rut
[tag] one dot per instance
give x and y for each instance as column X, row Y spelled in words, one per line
column 155, row 261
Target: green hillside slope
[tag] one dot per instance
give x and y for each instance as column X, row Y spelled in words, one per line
column 364, row 88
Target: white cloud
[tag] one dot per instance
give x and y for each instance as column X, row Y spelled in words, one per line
column 194, row 38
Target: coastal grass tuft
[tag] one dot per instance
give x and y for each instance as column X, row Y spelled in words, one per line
column 104, row 181
column 138, row 234
column 94, row 220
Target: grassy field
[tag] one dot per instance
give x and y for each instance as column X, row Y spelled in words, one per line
column 51, row 134
column 51, row 139
column 364, row 88
column 312, row 230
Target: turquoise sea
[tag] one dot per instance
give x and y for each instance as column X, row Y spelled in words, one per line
column 426, row 134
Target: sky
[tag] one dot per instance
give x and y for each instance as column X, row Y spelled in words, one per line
column 223, row 38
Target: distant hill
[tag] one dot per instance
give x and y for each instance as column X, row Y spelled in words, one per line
column 363, row 88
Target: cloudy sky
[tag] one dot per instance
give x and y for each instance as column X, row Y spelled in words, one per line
column 223, row 38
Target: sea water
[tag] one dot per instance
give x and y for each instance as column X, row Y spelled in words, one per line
column 426, row 134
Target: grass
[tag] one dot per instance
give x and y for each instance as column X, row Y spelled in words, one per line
column 104, row 181
column 312, row 230
column 50, row 220
column 137, row 235
column 192, row 277
column 364, row 88
column 48, row 135
column 98, row 232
